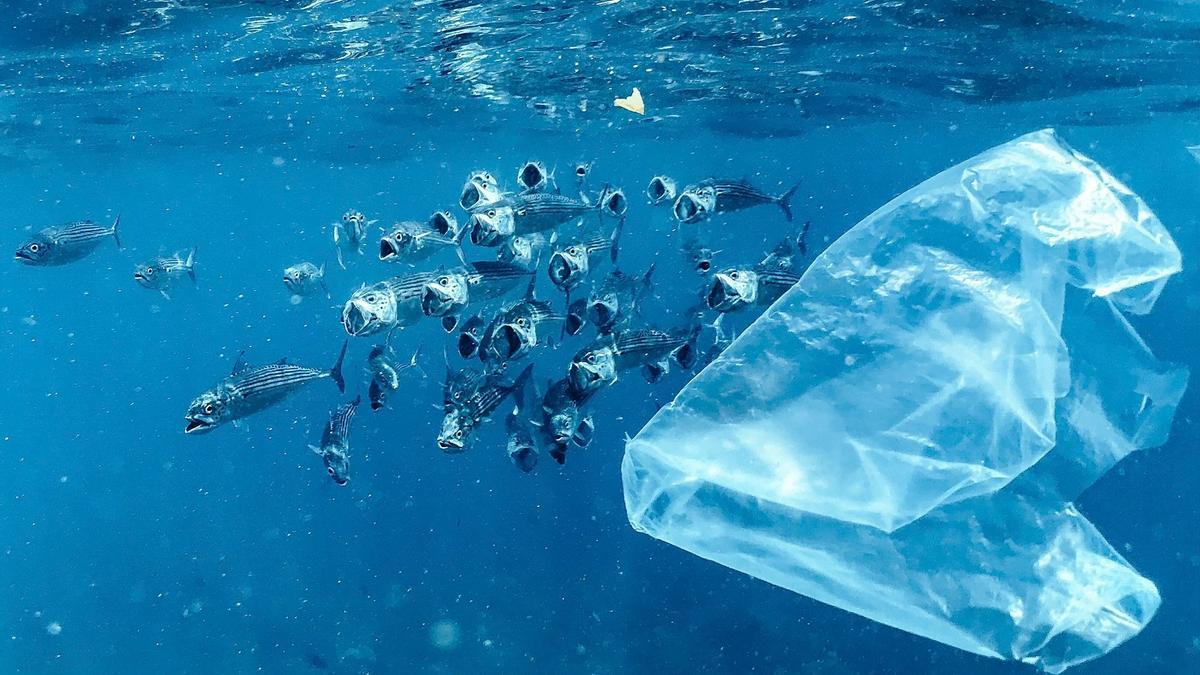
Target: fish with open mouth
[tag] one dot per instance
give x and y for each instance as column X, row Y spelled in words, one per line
column 532, row 176
column 476, row 406
column 612, row 202
column 707, row 198
column 350, row 235
column 470, row 335
column 699, row 255
column 570, row 265
column 304, row 278
column 661, row 189
column 67, row 243
column 523, row 214
column 599, row 364
column 564, row 420
column 518, row 329
column 616, row 300
column 459, row 386
column 391, row 303
column 250, row 389
column 413, row 242
column 582, row 171
column 161, row 273
column 450, row 291
column 524, row 437
column 334, row 450
column 577, row 317
column 481, row 188
column 737, row 288
column 385, row 371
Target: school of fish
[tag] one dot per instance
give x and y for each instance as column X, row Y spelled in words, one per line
column 489, row 309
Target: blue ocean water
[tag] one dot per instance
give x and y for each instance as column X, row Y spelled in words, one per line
column 247, row 128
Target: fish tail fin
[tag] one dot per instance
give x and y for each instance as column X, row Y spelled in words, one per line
column 357, row 400
column 785, row 202
column 648, row 277
column 190, row 264
column 522, row 380
column 802, row 240
column 336, row 371
column 116, row 224
column 616, row 240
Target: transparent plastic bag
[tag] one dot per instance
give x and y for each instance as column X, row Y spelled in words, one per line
column 900, row 435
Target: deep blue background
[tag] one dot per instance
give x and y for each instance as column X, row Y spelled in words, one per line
column 233, row 552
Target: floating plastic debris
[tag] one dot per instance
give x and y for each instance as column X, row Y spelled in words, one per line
column 633, row 103
column 902, row 433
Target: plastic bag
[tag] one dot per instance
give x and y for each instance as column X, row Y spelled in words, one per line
column 900, row 435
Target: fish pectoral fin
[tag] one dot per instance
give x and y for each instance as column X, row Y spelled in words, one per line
column 317, row 451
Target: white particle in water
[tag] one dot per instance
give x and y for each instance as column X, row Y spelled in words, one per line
column 54, row 628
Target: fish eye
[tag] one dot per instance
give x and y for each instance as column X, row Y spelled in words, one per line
column 330, row 470
column 149, row 271
column 457, row 395
column 371, row 298
column 733, row 275
column 492, row 213
column 208, row 408
column 34, row 247
column 591, row 357
column 444, row 281
column 458, row 434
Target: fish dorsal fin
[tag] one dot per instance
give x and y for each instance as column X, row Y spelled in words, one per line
column 282, row 362
column 239, row 364
column 530, row 290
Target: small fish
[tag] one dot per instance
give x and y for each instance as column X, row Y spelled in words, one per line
column 570, row 265
column 452, row 290
column 661, row 189
column 564, row 419
column 523, row 214
column 617, row 299
column 250, row 389
column 699, row 255
column 470, row 337
column 577, row 317
column 350, row 235
column 481, row 188
column 582, row 171
column 334, row 450
column 533, row 177
column 737, row 288
column 518, row 329
column 612, row 202
column 464, row 418
column 63, row 244
column 599, row 364
column 413, row 242
column 522, row 445
column 391, row 303
column 304, row 278
column 161, row 273
column 385, row 371
column 707, row 198
column 523, row 250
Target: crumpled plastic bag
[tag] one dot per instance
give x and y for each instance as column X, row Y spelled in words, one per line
column 902, row 433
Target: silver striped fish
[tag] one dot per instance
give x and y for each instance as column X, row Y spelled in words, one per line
column 477, row 405
column 391, row 303
column 706, row 198
column 250, row 389
column 161, row 273
column 524, row 214
column 599, row 364
column 335, row 442
column 453, row 290
column 737, row 288
column 62, row 244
